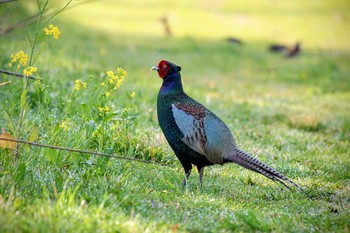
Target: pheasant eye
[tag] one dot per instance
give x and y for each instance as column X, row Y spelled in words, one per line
column 164, row 66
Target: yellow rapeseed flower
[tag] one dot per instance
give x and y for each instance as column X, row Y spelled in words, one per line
column 110, row 73
column 132, row 94
column 19, row 57
column 119, row 82
column 52, row 30
column 79, row 84
column 103, row 110
column 115, row 78
column 121, row 72
column 28, row 71
column 108, row 94
column 64, row 125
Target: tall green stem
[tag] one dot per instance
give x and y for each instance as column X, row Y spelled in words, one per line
column 31, row 62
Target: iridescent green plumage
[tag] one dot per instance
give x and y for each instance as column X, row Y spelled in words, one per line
column 197, row 136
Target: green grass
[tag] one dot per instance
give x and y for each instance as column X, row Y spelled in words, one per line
column 291, row 113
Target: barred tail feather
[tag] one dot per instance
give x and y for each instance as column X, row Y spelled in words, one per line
column 251, row 163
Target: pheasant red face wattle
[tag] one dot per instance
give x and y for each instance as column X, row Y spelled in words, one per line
column 164, row 67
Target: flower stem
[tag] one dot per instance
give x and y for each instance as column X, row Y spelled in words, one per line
column 26, row 86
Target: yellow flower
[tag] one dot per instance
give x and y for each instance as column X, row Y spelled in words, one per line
column 64, row 125
column 103, row 84
column 19, row 57
column 29, row 70
column 132, row 94
column 121, row 72
column 119, row 83
column 79, row 84
column 115, row 78
column 110, row 73
column 103, row 110
column 114, row 127
column 108, row 93
column 52, row 30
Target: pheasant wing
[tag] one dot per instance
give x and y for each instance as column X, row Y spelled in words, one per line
column 190, row 120
column 203, row 131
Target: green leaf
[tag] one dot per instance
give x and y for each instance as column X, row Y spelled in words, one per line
column 8, row 122
column 84, row 107
column 34, row 134
column 111, row 116
column 21, row 171
column 24, row 98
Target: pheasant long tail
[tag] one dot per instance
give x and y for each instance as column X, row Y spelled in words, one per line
column 251, row 163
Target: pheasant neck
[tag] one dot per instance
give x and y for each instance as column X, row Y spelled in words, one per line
column 171, row 84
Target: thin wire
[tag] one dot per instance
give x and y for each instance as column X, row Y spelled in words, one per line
column 17, row 75
column 83, row 151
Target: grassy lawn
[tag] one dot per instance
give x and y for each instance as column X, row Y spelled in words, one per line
column 293, row 114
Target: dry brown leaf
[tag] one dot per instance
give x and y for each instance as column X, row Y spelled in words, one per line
column 175, row 228
column 7, row 144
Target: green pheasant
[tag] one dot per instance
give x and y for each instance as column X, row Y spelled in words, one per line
column 197, row 136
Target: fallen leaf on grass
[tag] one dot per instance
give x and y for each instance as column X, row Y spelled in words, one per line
column 175, row 228
column 7, row 144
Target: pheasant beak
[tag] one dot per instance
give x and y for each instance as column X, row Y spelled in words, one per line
column 155, row 68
